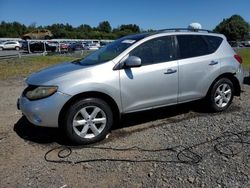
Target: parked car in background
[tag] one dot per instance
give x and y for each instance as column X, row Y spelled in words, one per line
column 41, row 46
column 235, row 44
column 91, row 46
column 53, row 43
column 38, row 34
column 24, row 45
column 10, row 45
column 86, row 97
column 247, row 43
column 64, row 47
column 76, row 46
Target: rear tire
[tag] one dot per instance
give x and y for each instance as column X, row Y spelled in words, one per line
column 26, row 38
column 47, row 37
column 87, row 121
column 17, row 48
column 221, row 95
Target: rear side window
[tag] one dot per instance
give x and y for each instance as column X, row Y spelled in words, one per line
column 214, row 42
column 157, row 50
column 192, row 46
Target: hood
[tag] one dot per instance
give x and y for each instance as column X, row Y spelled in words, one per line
column 51, row 73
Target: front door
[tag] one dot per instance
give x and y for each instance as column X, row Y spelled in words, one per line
column 155, row 83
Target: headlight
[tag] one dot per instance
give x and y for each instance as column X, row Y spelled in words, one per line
column 40, row 92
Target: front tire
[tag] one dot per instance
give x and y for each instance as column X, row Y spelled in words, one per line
column 88, row 120
column 17, row 48
column 221, row 95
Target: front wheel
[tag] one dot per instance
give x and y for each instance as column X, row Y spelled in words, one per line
column 88, row 121
column 221, row 95
column 17, row 48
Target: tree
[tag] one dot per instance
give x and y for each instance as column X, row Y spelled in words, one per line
column 104, row 27
column 131, row 27
column 84, row 31
column 234, row 28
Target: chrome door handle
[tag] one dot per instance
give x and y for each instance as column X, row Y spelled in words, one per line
column 170, row 71
column 213, row 63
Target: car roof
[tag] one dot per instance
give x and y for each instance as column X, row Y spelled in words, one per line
column 178, row 31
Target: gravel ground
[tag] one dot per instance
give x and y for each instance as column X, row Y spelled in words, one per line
column 202, row 149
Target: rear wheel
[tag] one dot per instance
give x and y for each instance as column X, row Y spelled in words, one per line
column 17, row 48
column 221, row 95
column 26, row 38
column 88, row 121
column 47, row 37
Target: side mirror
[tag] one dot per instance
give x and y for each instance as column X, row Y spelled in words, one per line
column 132, row 61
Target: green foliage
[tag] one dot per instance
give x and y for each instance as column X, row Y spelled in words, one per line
column 104, row 27
column 234, row 28
column 130, row 27
column 245, row 54
column 84, row 31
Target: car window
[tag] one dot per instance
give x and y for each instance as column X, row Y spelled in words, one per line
column 214, row 42
column 111, row 50
column 157, row 50
column 192, row 46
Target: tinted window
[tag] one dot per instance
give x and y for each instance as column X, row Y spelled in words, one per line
column 192, row 46
column 214, row 42
column 156, row 50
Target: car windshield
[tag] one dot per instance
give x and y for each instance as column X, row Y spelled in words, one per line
column 111, row 50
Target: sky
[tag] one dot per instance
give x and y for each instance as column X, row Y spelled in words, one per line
column 148, row 14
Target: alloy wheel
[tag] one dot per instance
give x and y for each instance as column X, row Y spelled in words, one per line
column 223, row 95
column 89, row 122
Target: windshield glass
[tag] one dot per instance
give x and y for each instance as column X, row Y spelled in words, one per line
column 111, row 50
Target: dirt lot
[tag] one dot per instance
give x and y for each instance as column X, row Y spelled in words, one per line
column 203, row 149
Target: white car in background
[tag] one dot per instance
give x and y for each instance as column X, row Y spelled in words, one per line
column 8, row 45
column 91, row 46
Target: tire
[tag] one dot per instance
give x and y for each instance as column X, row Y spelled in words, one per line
column 87, row 121
column 17, row 48
column 1, row 48
column 221, row 95
column 26, row 38
column 47, row 37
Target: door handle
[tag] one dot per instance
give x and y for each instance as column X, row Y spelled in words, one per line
column 213, row 63
column 170, row 71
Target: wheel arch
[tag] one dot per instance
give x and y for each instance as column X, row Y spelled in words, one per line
column 232, row 78
column 93, row 94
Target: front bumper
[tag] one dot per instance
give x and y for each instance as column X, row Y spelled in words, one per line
column 43, row 112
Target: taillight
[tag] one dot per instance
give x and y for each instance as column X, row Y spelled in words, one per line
column 238, row 58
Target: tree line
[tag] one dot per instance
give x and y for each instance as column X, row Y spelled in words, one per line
column 234, row 28
column 84, row 31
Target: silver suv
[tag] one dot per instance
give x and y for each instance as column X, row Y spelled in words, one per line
column 134, row 73
column 8, row 45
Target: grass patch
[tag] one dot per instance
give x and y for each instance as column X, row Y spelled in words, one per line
column 245, row 54
column 21, row 67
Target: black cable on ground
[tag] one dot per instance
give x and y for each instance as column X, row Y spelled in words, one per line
column 184, row 155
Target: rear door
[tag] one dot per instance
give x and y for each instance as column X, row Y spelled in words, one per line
column 198, row 65
column 155, row 83
column 8, row 45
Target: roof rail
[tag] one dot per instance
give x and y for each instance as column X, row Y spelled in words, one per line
column 183, row 29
